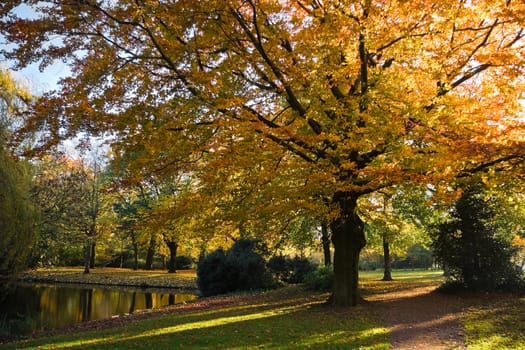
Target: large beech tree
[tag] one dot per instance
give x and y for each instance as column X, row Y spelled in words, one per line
column 336, row 99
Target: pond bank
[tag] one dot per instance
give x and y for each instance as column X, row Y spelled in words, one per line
column 145, row 290
column 154, row 279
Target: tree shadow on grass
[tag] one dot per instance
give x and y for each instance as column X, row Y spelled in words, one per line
column 291, row 323
column 500, row 325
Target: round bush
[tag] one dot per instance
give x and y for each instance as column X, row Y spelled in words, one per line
column 242, row 267
column 288, row 270
column 279, row 266
column 212, row 274
column 321, row 279
column 300, row 267
column 183, row 262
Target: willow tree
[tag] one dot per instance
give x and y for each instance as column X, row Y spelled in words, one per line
column 18, row 215
column 336, row 98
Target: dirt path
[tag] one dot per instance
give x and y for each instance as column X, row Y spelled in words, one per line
column 420, row 318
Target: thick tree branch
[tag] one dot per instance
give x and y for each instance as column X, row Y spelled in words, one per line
column 257, row 40
column 520, row 158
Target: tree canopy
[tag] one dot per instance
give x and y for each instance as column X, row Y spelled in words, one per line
column 317, row 103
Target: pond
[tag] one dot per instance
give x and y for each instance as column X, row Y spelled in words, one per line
column 28, row 307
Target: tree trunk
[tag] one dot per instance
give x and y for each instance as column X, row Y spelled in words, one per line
column 326, row 243
column 150, row 254
column 172, row 264
column 121, row 253
column 135, row 256
column 87, row 255
column 93, row 253
column 387, row 274
column 348, row 238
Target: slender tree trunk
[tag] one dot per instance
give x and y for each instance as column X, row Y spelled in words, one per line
column 93, row 254
column 121, row 253
column 202, row 252
column 172, row 264
column 150, row 254
column 135, row 256
column 87, row 255
column 326, row 243
column 348, row 238
column 387, row 261
column 89, row 248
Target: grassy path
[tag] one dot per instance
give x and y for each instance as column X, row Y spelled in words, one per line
column 417, row 317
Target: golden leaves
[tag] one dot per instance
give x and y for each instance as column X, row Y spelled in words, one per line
column 288, row 97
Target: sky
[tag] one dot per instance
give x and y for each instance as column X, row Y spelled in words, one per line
column 38, row 82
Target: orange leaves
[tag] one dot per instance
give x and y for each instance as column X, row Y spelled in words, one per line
column 273, row 100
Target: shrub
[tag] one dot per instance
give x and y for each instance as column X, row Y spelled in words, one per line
column 370, row 261
column 417, row 257
column 212, row 274
column 300, row 267
column 183, row 262
column 320, row 279
column 17, row 326
column 288, row 270
column 279, row 266
column 242, row 267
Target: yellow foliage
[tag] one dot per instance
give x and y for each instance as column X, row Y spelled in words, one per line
column 275, row 108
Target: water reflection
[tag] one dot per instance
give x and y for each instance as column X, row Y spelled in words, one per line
column 52, row 306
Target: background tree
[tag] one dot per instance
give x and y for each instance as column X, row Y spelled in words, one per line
column 472, row 246
column 335, row 99
column 69, row 196
column 128, row 209
column 53, row 191
column 93, row 209
column 383, row 224
column 397, row 223
column 166, row 216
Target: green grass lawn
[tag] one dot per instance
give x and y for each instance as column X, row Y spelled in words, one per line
column 417, row 275
column 289, row 318
column 499, row 324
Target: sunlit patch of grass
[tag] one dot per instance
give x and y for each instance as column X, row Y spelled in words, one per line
column 403, row 280
column 419, row 275
column 114, row 276
column 500, row 325
column 372, row 338
column 219, row 321
column 290, row 318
